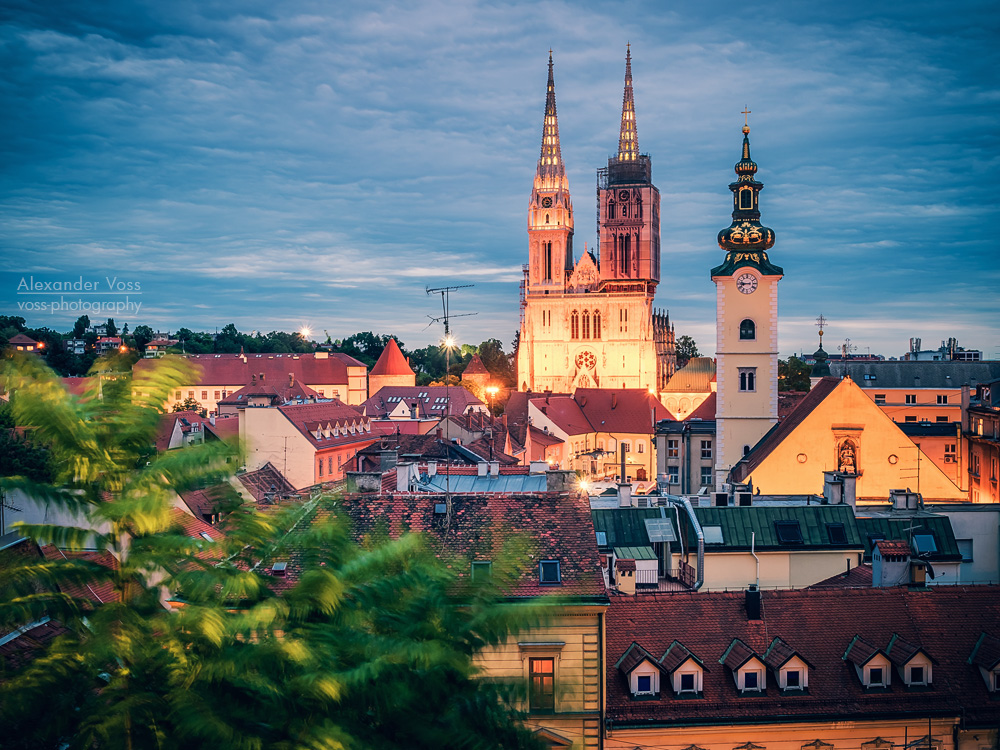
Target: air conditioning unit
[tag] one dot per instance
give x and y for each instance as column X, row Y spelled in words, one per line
column 744, row 499
column 950, row 460
column 720, row 499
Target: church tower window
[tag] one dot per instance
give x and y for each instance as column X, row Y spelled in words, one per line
column 597, row 324
column 574, row 325
column 748, row 330
column 611, row 209
column 748, row 379
column 746, row 199
column 586, row 324
column 626, row 252
column 547, row 260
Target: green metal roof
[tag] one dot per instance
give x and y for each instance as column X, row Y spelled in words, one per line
column 899, row 529
column 634, row 553
column 624, row 527
column 738, row 523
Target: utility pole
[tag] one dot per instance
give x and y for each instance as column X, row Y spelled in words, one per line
column 448, row 343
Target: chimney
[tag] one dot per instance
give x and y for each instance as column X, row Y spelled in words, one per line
column 416, row 409
column 494, row 468
column 291, row 380
column 744, row 499
column 833, row 488
column 625, row 576
column 438, row 433
column 432, row 468
column 403, row 477
column 482, row 468
column 753, row 602
column 262, row 377
column 624, row 495
column 468, row 420
column 905, row 499
column 387, row 460
column 538, row 467
column 890, row 563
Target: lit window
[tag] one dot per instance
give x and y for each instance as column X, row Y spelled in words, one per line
column 541, row 685
column 672, row 448
column 548, row 572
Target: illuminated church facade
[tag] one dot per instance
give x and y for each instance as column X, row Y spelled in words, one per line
column 590, row 322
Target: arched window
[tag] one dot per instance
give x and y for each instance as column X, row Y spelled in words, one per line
column 586, row 324
column 546, row 218
column 638, row 206
column 626, row 252
column 624, row 210
column 611, row 209
column 748, row 379
column 597, row 324
column 746, row 199
column 547, row 260
column 574, row 325
column 748, row 330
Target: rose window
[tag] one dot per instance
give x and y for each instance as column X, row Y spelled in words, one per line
column 586, row 360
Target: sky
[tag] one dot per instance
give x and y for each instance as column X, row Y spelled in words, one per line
column 314, row 163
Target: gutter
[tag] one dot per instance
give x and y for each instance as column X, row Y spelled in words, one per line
column 674, row 499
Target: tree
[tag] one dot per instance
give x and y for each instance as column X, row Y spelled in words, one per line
column 497, row 361
column 112, row 329
column 80, row 326
column 687, row 349
column 190, row 404
column 793, row 374
column 373, row 646
column 142, row 335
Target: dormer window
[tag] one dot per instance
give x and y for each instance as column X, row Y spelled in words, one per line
column 792, row 679
column 751, row 680
column 684, row 670
column 641, row 671
column 687, row 683
column 916, row 676
column 875, row 677
column 914, row 665
column 871, row 663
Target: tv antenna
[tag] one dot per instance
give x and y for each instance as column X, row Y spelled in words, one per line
column 446, row 316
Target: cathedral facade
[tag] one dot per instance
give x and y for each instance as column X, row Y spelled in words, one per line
column 590, row 322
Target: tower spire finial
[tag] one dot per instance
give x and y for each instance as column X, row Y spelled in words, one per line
column 550, row 163
column 628, row 140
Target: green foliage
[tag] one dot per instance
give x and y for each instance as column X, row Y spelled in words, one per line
column 81, row 326
column 112, row 329
column 190, row 404
column 793, row 374
column 687, row 349
column 372, row 647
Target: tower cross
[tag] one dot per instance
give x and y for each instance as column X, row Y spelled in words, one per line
column 746, row 114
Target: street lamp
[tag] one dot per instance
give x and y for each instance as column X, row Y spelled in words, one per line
column 491, row 392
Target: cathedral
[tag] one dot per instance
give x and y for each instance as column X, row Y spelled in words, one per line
column 590, row 322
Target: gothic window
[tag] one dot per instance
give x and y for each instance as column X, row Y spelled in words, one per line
column 546, row 218
column 597, row 324
column 746, row 199
column 624, row 210
column 611, row 209
column 547, row 260
column 748, row 379
column 638, row 207
column 626, row 252
column 748, row 330
column 574, row 325
column 586, row 324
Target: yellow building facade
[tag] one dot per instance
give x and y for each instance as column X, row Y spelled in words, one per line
column 590, row 323
column 838, row 428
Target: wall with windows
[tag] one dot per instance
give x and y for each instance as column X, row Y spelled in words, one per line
column 565, row 700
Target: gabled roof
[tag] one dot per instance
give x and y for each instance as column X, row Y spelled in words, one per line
column 266, row 483
column 676, row 654
column 391, row 361
column 629, row 410
column 900, row 651
column 777, row 434
column 310, row 417
column 887, row 547
column 96, row 591
column 779, row 653
column 737, row 655
column 475, row 367
column 706, row 409
column 986, row 652
column 860, row 651
column 20, row 338
column 279, row 393
column 633, row 657
column 860, row 576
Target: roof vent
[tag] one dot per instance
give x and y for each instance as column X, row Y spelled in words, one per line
column 744, row 499
column 440, row 509
column 279, row 569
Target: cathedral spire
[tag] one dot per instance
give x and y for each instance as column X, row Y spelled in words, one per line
column 628, row 141
column 550, row 163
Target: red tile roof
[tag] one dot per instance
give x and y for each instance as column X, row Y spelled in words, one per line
column 705, row 410
column 264, row 481
column 392, row 361
column 231, row 369
column 860, row 576
column 225, row 428
column 628, row 410
column 559, row 527
column 819, row 625
column 20, row 338
column 32, row 641
column 282, row 392
column 307, row 418
column 98, row 591
column 893, row 547
column 784, row 428
column 475, row 367
column 432, row 399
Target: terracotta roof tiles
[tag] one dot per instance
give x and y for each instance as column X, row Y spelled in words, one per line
column 392, row 361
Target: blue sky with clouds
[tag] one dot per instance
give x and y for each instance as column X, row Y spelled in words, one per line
column 305, row 162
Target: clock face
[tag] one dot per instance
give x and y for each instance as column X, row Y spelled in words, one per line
column 747, row 283
column 546, row 202
column 623, row 195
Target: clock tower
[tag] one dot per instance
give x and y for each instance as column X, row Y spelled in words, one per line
column 746, row 324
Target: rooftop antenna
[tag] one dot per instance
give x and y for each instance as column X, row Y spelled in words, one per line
column 448, row 343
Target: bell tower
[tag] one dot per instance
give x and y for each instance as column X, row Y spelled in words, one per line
column 746, row 323
column 550, row 210
column 629, row 207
